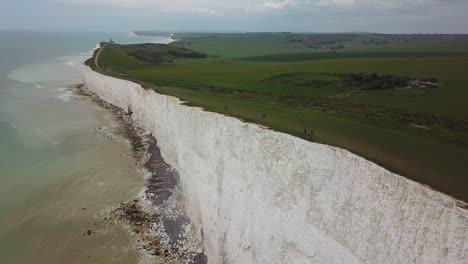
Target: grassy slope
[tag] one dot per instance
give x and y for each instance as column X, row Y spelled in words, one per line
column 240, row 45
column 308, row 56
column 436, row 157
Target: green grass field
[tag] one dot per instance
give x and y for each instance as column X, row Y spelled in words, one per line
column 419, row 133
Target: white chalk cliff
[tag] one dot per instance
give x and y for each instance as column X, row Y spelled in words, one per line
column 259, row 196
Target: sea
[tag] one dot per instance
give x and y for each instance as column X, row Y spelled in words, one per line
column 61, row 173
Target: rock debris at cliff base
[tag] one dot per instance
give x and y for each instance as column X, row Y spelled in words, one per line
column 157, row 218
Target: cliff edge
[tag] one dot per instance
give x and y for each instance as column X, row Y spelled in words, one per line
column 259, row 196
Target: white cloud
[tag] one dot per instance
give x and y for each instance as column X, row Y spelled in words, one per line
column 281, row 6
column 278, row 5
column 199, row 11
column 308, row 5
column 337, row 3
column 197, row 6
column 378, row 4
column 265, row 4
column 161, row 4
column 259, row 15
column 239, row 7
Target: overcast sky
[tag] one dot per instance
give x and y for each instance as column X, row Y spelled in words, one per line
column 387, row 16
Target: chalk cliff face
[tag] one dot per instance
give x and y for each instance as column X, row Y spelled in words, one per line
column 260, row 196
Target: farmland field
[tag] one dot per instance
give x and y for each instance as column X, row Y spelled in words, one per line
column 396, row 100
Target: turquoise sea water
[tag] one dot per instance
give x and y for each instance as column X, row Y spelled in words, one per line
column 58, row 172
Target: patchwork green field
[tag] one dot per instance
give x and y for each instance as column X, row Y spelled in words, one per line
column 398, row 100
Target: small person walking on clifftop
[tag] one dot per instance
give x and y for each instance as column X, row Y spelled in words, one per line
column 309, row 135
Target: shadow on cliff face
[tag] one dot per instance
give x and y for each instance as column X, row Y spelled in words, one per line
column 159, row 219
column 164, row 191
column 166, row 232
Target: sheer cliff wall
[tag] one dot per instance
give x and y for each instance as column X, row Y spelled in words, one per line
column 259, row 196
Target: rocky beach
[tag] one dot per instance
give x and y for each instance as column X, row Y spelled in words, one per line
column 157, row 217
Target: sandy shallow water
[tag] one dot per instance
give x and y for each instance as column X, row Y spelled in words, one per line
column 64, row 217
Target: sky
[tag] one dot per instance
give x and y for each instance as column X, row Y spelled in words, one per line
column 383, row 16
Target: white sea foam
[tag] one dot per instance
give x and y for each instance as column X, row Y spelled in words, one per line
column 97, row 46
column 65, row 94
column 37, row 74
column 76, row 61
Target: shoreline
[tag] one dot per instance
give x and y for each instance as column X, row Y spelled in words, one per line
column 156, row 217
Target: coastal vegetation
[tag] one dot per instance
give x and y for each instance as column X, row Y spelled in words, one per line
column 399, row 100
column 353, row 81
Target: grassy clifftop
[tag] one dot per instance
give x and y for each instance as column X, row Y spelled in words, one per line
column 319, row 93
